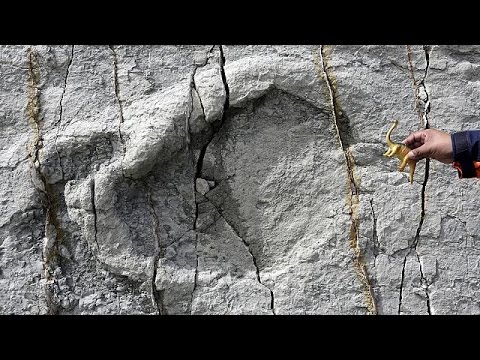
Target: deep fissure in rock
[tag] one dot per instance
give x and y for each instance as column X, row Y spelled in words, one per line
column 375, row 242
column 401, row 285
column 427, row 50
column 65, row 86
column 60, row 115
column 94, row 211
column 413, row 246
column 344, row 135
column 50, row 249
column 117, row 95
column 425, row 283
column 411, row 69
column 215, row 127
column 195, row 166
column 157, row 295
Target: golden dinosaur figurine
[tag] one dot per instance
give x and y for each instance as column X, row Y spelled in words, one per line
column 400, row 151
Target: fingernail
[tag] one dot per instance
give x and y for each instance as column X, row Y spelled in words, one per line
column 411, row 155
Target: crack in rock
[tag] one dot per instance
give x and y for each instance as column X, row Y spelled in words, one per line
column 401, row 285
column 193, row 87
column 94, row 211
column 424, row 284
column 196, row 166
column 65, row 86
column 117, row 95
column 343, row 131
column 254, row 259
column 416, row 91
column 60, row 115
column 427, row 50
column 157, row 296
column 195, row 278
column 375, row 242
column 199, row 165
column 53, row 234
column 425, row 123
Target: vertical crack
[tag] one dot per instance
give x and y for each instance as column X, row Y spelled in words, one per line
column 33, row 108
column 225, row 108
column 53, row 233
column 401, row 286
column 340, row 121
column 416, row 91
column 199, row 164
column 60, row 113
column 117, row 95
column 157, row 296
column 195, row 278
column 425, row 98
column 425, row 285
column 94, row 211
column 272, row 302
column 193, row 87
column 196, row 167
column 65, row 85
column 375, row 242
column 427, row 50
column 226, row 104
column 343, row 131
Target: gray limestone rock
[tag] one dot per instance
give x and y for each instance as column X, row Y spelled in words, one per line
column 233, row 180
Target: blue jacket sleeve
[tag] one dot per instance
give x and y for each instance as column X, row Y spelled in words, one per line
column 466, row 156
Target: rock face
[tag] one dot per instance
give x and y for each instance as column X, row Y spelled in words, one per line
column 234, row 180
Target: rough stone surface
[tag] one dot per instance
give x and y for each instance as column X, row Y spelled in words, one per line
column 233, row 180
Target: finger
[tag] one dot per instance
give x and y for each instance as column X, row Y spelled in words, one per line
column 414, row 145
column 415, row 137
column 419, row 153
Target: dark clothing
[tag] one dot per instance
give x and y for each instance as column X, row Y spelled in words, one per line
column 466, row 155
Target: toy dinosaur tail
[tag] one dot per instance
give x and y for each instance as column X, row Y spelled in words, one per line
column 394, row 125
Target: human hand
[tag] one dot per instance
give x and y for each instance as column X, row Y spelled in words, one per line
column 430, row 143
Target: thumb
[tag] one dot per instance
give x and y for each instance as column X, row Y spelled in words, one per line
column 419, row 153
